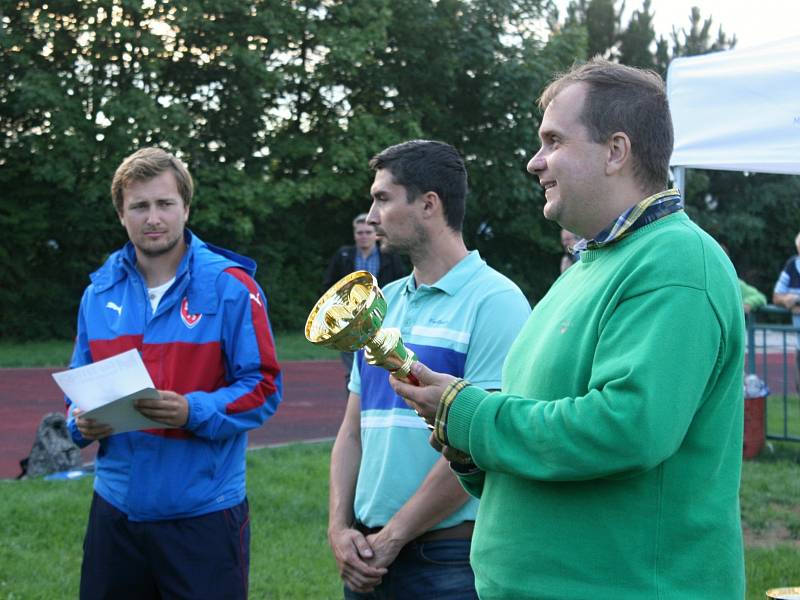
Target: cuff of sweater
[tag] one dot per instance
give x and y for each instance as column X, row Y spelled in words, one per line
column 459, row 419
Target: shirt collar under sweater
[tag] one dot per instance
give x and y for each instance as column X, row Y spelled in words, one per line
column 647, row 211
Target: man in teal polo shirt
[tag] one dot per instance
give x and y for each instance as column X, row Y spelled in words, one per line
column 400, row 524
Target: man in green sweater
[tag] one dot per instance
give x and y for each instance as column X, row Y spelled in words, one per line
column 608, row 465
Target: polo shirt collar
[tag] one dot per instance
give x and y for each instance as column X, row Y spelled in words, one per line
column 455, row 278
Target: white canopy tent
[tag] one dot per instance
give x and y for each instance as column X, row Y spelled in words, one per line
column 737, row 110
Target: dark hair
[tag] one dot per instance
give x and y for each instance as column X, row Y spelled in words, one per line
column 427, row 166
column 626, row 99
column 145, row 164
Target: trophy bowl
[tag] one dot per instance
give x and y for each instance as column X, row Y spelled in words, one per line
column 348, row 317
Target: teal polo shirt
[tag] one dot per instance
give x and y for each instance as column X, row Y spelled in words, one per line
column 464, row 325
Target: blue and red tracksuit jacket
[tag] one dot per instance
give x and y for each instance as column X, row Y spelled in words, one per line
column 210, row 340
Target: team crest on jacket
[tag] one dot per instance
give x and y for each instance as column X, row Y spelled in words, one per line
column 189, row 320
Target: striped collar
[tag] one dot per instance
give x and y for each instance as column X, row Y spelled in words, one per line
column 648, row 210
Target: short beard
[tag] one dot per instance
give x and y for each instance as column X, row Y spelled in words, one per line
column 408, row 247
column 154, row 252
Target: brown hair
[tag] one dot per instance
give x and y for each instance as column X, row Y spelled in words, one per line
column 626, row 99
column 423, row 166
column 145, row 164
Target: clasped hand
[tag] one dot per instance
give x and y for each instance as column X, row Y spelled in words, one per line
column 360, row 567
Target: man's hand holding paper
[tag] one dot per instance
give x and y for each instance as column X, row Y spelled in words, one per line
column 116, row 394
column 90, row 429
column 170, row 408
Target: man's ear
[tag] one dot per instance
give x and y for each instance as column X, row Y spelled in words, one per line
column 619, row 152
column 430, row 203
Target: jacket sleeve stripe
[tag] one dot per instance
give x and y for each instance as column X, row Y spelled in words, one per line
column 268, row 363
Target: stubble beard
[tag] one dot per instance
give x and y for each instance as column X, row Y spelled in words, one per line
column 153, row 252
column 393, row 247
column 411, row 246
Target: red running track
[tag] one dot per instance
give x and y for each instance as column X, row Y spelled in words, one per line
column 312, row 408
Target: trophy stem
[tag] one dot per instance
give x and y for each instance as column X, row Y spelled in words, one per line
column 383, row 342
column 386, row 349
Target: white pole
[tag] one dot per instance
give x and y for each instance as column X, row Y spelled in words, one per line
column 679, row 178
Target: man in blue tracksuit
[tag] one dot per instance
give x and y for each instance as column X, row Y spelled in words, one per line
column 169, row 515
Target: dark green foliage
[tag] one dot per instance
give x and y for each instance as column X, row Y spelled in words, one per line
column 602, row 21
column 697, row 40
column 637, row 39
column 755, row 215
column 277, row 107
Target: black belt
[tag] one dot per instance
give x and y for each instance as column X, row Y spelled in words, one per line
column 462, row 531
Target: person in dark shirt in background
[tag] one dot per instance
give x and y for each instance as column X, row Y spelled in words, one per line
column 364, row 255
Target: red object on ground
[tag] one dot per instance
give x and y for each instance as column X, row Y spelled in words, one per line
column 312, row 409
column 754, row 426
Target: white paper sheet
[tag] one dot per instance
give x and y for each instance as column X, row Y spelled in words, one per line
column 106, row 390
column 122, row 416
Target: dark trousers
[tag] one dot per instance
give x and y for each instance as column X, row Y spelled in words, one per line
column 194, row 558
column 437, row 570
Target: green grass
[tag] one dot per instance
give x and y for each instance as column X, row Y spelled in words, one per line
column 768, row 568
column 295, row 346
column 288, row 492
column 777, row 407
column 51, row 353
column 770, row 498
column 56, row 353
column 42, row 525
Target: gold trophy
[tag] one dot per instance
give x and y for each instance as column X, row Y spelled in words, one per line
column 348, row 317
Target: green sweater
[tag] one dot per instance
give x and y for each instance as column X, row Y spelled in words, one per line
column 611, row 458
column 751, row 296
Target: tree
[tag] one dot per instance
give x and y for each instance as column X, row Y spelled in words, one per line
column 602, row 22
column 635, row 46
column 697, row 40
column 276, row 106
column 755, row 215
column 89, row 82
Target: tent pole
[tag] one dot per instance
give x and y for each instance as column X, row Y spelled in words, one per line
column 679, row 177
